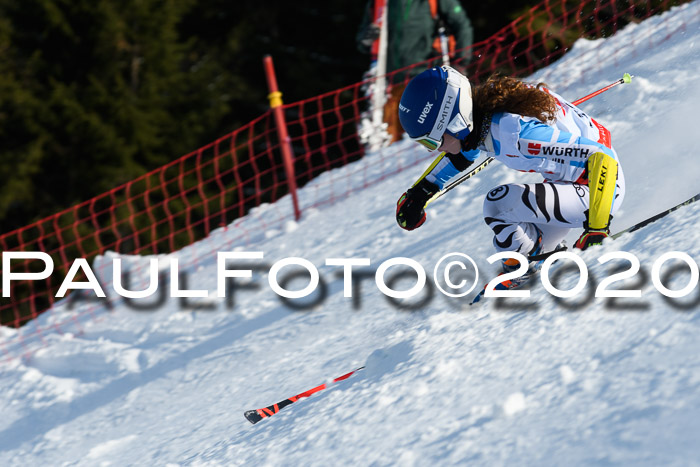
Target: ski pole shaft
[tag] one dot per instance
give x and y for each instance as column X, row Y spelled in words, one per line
column 254, row 416
column 656, row 217
column 463, row 178
column 626, row 78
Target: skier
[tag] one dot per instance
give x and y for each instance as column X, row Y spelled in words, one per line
column 530, row 129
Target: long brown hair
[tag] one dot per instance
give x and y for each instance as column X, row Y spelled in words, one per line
column 505, row 94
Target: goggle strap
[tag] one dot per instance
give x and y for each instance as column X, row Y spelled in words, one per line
column 449, row 100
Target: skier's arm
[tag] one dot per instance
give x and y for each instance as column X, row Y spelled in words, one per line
column 410, row 208
column 446, row 166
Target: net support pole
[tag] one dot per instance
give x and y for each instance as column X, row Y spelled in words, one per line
column 275, row 97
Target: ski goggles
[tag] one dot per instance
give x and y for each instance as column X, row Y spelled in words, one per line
column 428, row 142
column 443, row 124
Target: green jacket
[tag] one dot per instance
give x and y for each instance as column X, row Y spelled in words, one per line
column 412, row 30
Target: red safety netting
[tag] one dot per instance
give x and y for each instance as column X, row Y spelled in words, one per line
column 187, row 199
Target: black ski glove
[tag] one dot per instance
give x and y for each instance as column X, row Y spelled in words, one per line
column 410, row 209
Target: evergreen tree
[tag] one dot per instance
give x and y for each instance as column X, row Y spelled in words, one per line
column 93, row 93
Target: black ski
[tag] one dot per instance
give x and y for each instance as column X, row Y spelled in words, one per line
column 254, row 416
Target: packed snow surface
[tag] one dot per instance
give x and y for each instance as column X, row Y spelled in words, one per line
column 541, row 380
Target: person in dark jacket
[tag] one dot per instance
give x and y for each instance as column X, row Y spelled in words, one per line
column 412, row 30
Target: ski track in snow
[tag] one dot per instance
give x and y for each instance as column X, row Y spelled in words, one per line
column 445, row 383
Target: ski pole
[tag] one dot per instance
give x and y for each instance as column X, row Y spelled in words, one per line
column 254, row 416
column 626, row 78
column 656, row 217
column 461, row 179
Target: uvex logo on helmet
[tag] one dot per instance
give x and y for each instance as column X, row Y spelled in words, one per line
column 425, row 112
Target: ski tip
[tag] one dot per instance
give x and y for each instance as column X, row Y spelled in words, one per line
column 252, row 416
column 627, row 78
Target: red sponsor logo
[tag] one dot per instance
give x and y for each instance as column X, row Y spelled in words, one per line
column 511, row 155
column 534, row 148
column 605, row 138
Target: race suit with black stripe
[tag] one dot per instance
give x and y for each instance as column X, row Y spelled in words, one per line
column 519, row 213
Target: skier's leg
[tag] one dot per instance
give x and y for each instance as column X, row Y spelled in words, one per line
column 552, row 236
column 518, row 213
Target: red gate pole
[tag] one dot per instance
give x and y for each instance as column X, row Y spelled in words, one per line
column 275, row 97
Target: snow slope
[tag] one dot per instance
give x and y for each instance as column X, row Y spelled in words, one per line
column 548, row 383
